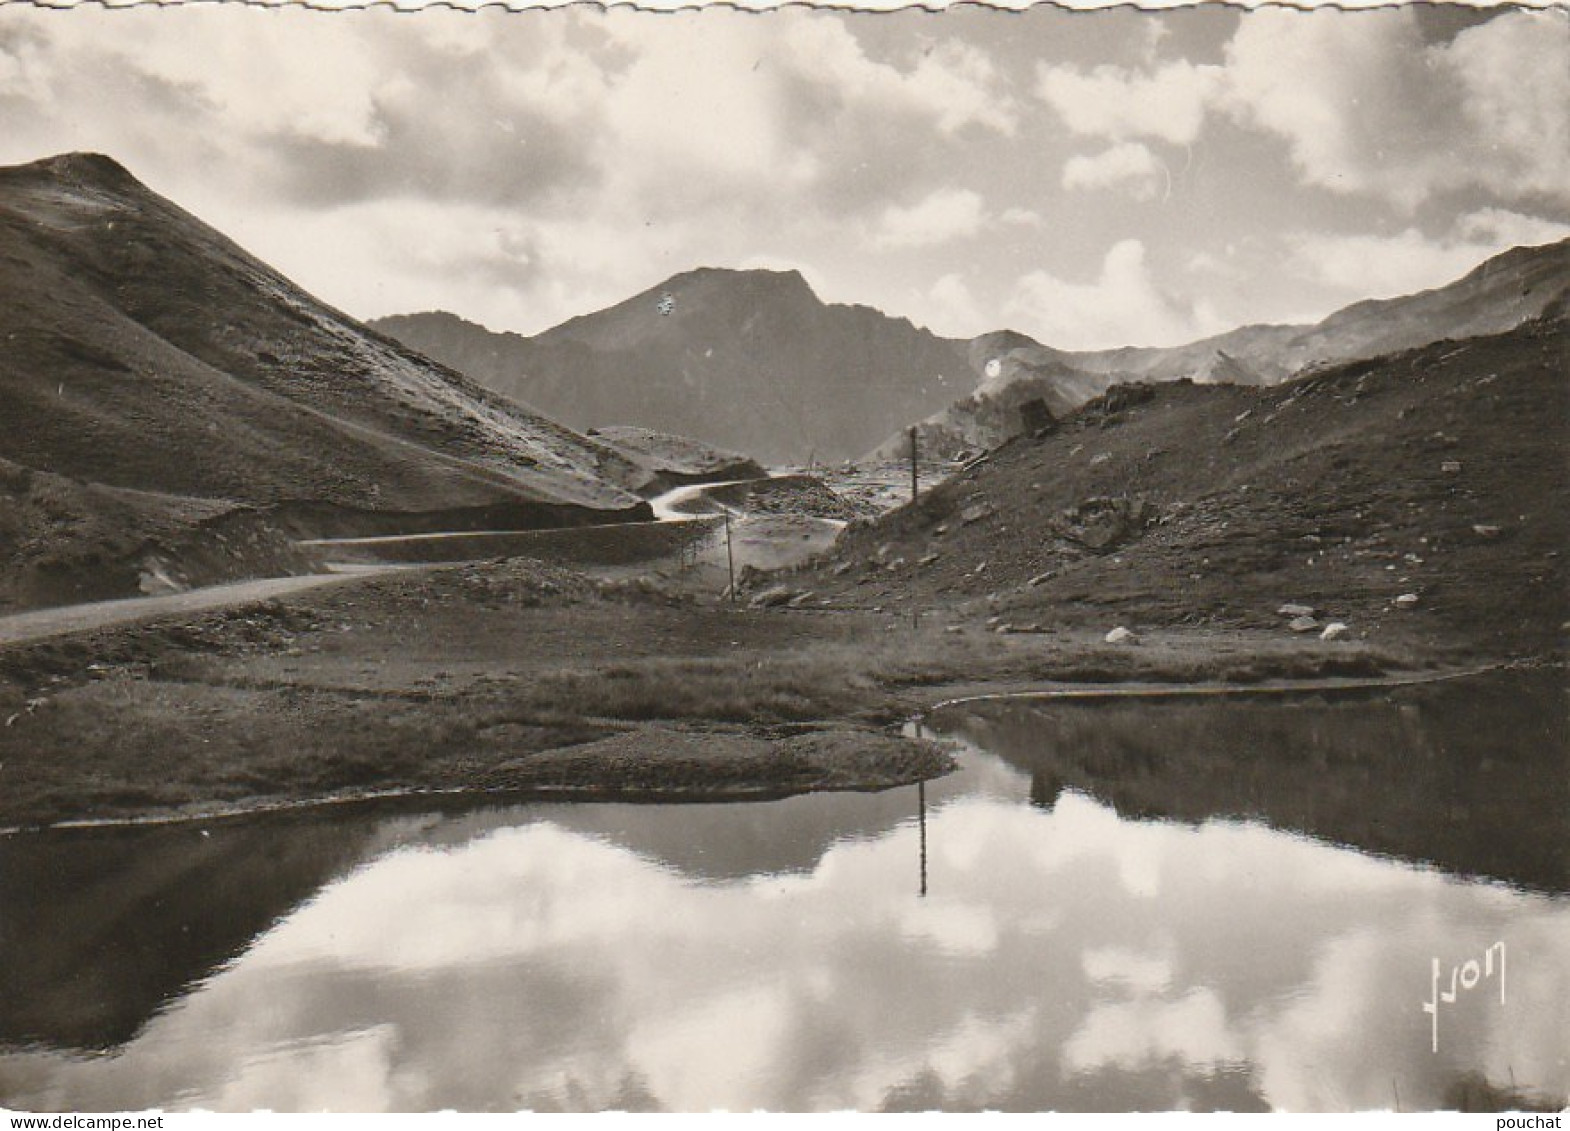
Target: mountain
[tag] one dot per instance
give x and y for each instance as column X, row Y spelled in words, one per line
column 1503, row 292
column 1014, row 370
column 1507, row 290
column 746, row 360
column 1438, row 472
column 158, row 382
column 676, row 460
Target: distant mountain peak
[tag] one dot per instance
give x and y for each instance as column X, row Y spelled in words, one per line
column 760, row 283
column 147, row 351
column 787, row 275
column 81, row 168
column 1511, row 288
column 748, row 359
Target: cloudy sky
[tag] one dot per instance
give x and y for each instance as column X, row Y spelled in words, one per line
column 1092, row 179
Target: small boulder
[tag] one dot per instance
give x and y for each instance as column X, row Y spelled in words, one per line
column 1407, row 601
column 1122, row 635
column 1335, row 630
column 1450, row 466
column 1484, row 530
column 976, row 513
column 1291, row 610
column 1303, row 624
column 773, row 596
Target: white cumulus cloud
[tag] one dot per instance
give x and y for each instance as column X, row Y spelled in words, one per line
column 1123, row 306
column 1364, row 101
column 956, row 313
column 1128, row 167
column 954, row 85
column 1366, row 106
column 1167, row 102
column 946, row 214
column 1378, row 266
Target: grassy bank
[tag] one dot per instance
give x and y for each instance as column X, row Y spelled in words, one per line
column 522, row 677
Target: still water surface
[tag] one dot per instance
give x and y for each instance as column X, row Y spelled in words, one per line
column 1127, row 906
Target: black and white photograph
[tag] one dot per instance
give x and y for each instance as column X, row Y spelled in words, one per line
column 583, row 558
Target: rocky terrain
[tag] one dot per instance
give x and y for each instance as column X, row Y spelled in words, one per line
column 176, row 411
column 1509, row 289
column 750, row 360
column 1500, row 294
column 1421, row 496
column 672, row 461
column 1403, row 514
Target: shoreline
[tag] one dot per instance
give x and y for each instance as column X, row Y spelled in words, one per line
column 462, row 796
column 1221, row 690
column 588, row 793
column 520, row 681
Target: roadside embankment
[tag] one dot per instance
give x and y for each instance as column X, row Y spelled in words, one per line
column 523, row 677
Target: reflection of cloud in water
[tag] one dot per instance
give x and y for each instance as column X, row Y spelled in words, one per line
column 952, row 926
column 353, row 1070
column 1141, row 973
column 1193, row 1029
column 1064, row 958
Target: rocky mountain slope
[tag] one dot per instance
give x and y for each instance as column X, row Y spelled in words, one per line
column 752, row 360
column 1502, row 293
column 748, row 360
column 675, row 460
column 1423, row 495
column 156, row 378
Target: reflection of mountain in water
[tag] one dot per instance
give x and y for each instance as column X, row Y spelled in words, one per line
column 1469, row 775
column 103, row 927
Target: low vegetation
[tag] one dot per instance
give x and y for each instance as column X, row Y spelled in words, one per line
column 522, row 676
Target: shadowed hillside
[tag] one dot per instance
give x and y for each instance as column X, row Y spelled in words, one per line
column 1438, row 473
column 749, row 360
column 1511, row 288
column 154, row 374
column 1455, row 765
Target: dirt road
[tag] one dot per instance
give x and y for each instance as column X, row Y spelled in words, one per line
column 42, row 623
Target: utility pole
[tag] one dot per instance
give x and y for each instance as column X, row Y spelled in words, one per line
column 915, row 485
column 921, row 801
column 730, row 554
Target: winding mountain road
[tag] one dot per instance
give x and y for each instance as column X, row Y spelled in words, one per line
column 39, row 624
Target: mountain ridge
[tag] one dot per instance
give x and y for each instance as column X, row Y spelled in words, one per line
column 1497, row 295
column 567, row 369
column 750, row 360
column 1418, row 495
column 151, row 355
